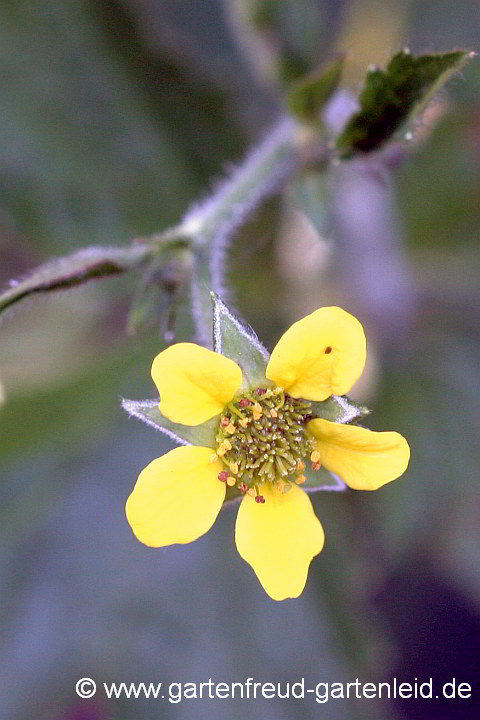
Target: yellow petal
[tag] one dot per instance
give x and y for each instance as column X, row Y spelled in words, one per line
column 278, row 539
column 321, row 355
column 194, row 383
column 176, row 498
column 365, row 460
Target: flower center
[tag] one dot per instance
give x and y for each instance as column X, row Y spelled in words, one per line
column 262, row 438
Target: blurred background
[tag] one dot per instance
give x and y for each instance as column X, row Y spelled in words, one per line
column 115, row 116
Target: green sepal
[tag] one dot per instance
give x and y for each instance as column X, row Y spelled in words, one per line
column 339, row 409
column 148, row 411
column 233, row 495
column 390, row 97
column 318, row 480
column 237, row 341
column 308, row 96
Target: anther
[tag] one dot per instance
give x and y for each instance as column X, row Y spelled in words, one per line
column 257, row 411
column 244, row 402
column 231, row 481
column 300, row 479
column 315, row 456
column 260, row 499
column 230, row 428
column 261, row 391
column 328, row 350
column 223, row 476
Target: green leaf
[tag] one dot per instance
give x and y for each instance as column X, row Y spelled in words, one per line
column 76, row 269
column 390, row 97
column 147, row 410
column 237, row 341
column 339, row 409
column 308, row 96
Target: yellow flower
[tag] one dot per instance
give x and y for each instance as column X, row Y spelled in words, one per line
column 275, row 433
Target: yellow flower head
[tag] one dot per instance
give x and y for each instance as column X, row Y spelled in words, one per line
column 268, row 431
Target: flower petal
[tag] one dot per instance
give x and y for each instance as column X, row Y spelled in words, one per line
column 278, row 539
column 321, row 355
column 194, row 383
column 364, row 459
column 176, row 498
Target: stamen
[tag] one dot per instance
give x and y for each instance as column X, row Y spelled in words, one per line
column 234, row 409
column 264, row 442
column 257, row 411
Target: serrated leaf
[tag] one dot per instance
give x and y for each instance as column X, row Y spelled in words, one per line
column 309, row 95
column 76, row 269
column 237, row 341
column 147, row 410
column 338, row 409
column 390, row 97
